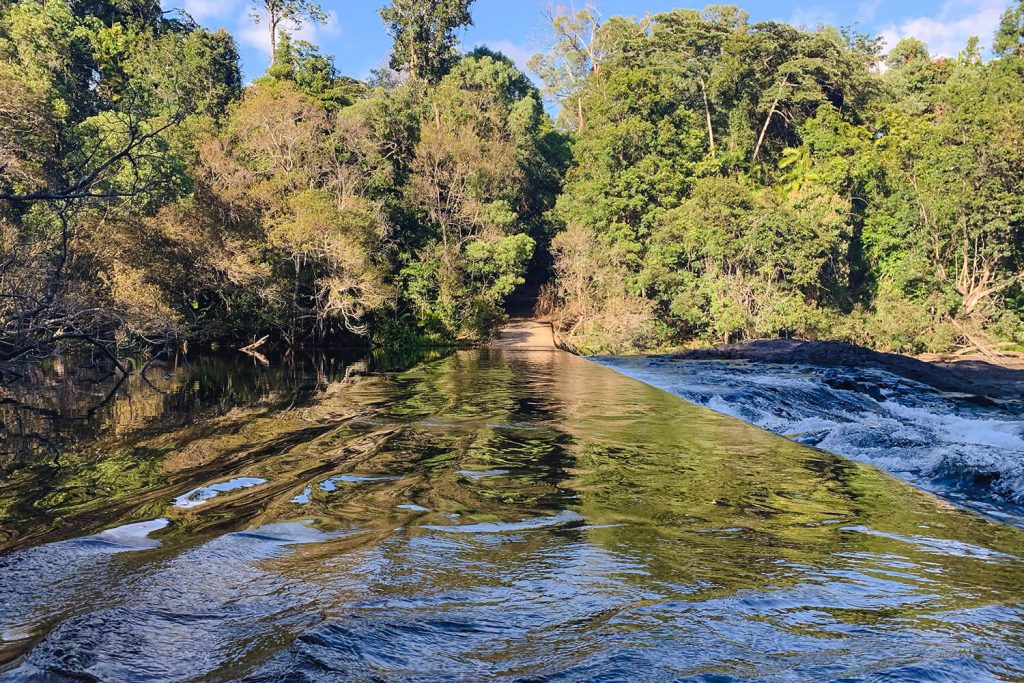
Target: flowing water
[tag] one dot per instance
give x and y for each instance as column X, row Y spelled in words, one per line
column 526, row 516
column 968, row 451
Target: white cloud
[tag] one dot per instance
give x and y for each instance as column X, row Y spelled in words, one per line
column 947, row 32
column 204, row 10
column 252, row 34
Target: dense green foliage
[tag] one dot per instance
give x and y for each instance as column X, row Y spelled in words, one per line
column 735, row 180
column 104, row 105
column 152, row 200
column 709, row 179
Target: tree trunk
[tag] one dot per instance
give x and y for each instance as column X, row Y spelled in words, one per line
column 707, row 115
column 272, row 23
column 768, row 119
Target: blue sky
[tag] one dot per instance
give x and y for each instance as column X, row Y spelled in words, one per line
column 356, row 37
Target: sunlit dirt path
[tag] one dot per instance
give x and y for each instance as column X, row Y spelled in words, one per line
column 525, row 335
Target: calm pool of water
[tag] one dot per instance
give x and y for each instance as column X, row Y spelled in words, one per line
column 526, row 516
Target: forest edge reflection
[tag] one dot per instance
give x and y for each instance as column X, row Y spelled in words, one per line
column 479, row 469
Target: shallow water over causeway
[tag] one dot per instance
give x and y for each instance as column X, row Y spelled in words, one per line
column 528, row 516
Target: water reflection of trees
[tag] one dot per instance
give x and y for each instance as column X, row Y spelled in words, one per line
column 715, row 506
column 707, row 505
column 701, row 500
column 689, row 517
column 76, row 439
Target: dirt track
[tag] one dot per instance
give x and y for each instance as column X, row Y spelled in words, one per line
column 525, row 335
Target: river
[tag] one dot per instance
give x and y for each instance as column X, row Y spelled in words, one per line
column 968, row 451
column 486, row 515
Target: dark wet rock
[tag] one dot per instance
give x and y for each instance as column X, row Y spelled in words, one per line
column 981, row 379
column 982, row 401
column 842, row 384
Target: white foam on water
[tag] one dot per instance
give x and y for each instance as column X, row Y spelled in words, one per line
column 955, row 429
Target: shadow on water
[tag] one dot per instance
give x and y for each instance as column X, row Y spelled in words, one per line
column 486, row 515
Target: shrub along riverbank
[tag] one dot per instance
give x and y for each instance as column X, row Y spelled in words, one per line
column 708, row 179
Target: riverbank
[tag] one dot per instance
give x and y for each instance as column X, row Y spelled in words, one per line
column 975, row 376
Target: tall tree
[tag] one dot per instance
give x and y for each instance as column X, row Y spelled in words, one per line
column 278, row 12
column 424, row 35
column 109, row 96
column 574, row 54
column 1009, row 38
